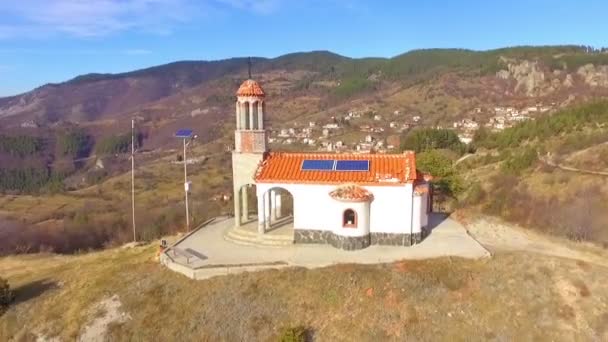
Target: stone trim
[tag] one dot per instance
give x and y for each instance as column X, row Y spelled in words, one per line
column 348, row 243
column 311, row 236
column 416, row 238
column 425, row 231
column 391, row 239
column 351, row 243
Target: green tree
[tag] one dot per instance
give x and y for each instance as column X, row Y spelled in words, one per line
column 435, row 163
column 425, row 139
column 20, row 145
column 114, row 144
column 73, row 142
column 445, row 179
column 27, row 179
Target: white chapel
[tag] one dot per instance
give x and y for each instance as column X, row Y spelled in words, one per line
column 348, row 200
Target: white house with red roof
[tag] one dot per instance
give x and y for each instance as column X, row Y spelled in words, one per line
column 347, row 200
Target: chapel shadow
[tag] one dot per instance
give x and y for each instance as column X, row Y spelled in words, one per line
column 435, row 220
column 32, row 290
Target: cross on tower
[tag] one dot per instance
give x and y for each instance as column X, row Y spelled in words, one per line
column 249, row 66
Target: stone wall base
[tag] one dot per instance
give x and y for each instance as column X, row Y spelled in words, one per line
column 391, row 239
column 348, row 243
column 351, row 243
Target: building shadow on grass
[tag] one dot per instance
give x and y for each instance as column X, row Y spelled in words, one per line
column 32, row 290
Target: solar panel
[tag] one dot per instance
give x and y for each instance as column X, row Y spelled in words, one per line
column 317, row 165
column 352, row 165
column 183, row 133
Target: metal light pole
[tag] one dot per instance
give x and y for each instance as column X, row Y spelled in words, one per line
column 186, row 134
column 133, row 177
column 186, row 187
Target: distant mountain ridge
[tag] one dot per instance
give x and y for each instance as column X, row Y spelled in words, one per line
column 92, row 97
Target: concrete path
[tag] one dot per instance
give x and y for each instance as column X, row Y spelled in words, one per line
column 216, row 256
column 499, row 236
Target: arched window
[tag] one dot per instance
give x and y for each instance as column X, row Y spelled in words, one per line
column 254, row 108
column 349, row 219
column 245, row 116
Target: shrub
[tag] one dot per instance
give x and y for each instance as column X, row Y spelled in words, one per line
column 517, row 163
column 6, row 294
column 20, row 145
column 435, row 163
column 475, row 195
column 73, row 142
column 579, row 217
column 351, row 86
column 293, row 334
column 114, row 144
column 446, row 181
column 425, row 139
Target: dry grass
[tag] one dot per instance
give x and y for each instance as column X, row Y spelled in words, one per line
column 106, row 207
column 505, row 298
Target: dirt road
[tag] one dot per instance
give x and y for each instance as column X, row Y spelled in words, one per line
column 498, row 236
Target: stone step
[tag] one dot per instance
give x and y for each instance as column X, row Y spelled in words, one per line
column 254, row 240
column 262, row 243
column 254, row 235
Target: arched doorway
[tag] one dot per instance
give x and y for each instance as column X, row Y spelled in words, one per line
column 278, row 209
column 248, row 203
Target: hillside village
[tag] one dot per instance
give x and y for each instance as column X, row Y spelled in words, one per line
column 374, row 129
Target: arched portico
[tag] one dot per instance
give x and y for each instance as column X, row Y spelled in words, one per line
column 277, row 205
column 246, row 204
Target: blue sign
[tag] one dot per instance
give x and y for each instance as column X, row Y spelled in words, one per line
column 183, row 133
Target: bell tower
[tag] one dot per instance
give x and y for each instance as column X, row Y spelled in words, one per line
column 251, row 143
column 250, row 135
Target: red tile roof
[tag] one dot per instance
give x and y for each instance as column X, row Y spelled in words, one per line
column 250, row 88
column 351, row 193
column 384, row 169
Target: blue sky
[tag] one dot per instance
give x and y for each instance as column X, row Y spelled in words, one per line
column 45, row 41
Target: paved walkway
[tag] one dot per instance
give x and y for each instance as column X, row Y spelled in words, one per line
column 216, row 256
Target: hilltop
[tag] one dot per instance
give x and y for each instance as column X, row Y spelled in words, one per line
column 124, row 294
column 67, row 192
column 66, row 175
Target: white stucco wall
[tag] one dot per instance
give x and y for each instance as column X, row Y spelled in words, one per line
column 362, row 210
column 424, row 210
column 390, row 211
column 417, row 210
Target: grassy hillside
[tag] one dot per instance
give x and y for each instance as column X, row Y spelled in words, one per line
column 99, row 216
column 513, row 174
column 504, row 298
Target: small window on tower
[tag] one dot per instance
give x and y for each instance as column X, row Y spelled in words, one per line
column 349, row 219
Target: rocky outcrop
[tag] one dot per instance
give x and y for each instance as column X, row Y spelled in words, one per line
column 528, row 75
column 595, row 76
column 532, row 80
column 568, row 81
column 503, row 74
